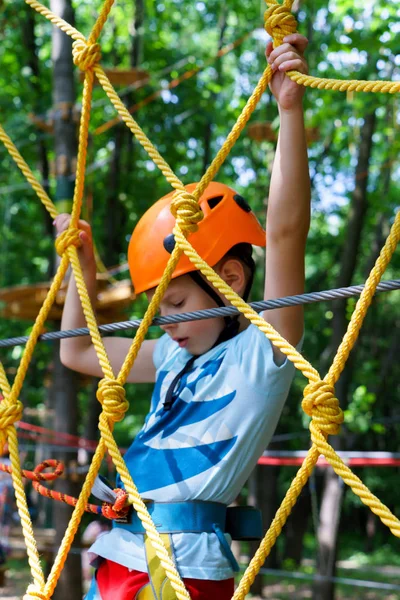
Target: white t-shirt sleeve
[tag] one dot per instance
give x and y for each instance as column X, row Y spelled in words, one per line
column 256, row 361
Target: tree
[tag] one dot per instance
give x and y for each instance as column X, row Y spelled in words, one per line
column 64, row 391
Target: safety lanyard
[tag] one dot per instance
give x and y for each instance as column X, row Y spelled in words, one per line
column 170, row 397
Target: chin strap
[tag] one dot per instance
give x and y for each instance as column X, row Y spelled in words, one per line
column 232, row 324
column 231, row 329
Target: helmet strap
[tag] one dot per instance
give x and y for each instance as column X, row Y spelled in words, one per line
column 230, row 330
column 232, row 324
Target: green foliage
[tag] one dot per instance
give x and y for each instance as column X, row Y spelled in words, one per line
column 360, row 410
column 349, row 39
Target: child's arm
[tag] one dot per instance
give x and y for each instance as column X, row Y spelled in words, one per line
column 78, row 353
column 288, row 213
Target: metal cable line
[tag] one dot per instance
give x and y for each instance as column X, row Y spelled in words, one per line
column 333, row 294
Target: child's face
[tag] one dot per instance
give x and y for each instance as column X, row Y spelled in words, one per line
column 184, row 295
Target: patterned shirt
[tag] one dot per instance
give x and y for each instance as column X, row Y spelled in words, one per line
column 225, row 411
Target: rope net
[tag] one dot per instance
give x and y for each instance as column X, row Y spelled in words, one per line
column 319, row 400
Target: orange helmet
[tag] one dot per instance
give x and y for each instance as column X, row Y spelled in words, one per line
column 228, row 220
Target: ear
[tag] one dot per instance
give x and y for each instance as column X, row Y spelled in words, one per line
column 232, row 272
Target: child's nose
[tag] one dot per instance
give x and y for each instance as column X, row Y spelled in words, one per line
column 168, row 327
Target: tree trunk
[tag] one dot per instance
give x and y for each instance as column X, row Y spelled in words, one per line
column 29, row 41
column 93, row 413
column 123, row 140
column 333, row 493
column 65, row 382
column 327, row 535
column 64, row 391
column 296, row 527
column 263, row 494
column 137, row 41
column 208, row 129
column 114, row 206
column 136, row 55
column 355, row 225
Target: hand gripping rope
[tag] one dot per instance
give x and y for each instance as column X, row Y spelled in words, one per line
column 319, row 400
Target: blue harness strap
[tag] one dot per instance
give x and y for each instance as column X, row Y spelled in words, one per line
column 244, row 523
column 201, row 517
column 178, row 517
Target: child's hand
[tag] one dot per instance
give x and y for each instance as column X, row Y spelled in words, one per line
column 287, row 57
column 86, row 254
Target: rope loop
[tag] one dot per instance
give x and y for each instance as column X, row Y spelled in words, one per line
column 38, row 474
column 321, row 404
column 119, row 508
column 279, row 21
column 9, row 414
column 33, row 593
column 85, row 55
column 69, row 237
column 186, row 211
column 111, row 395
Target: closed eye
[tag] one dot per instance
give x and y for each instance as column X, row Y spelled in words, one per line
column 177, row 304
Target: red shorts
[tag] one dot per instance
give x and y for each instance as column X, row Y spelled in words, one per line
column 117, row 582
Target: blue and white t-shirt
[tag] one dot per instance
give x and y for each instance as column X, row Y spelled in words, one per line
column 225, row 411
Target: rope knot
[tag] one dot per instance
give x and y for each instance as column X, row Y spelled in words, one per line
column 85, row 55
column 33, row 593
column 322, row 406
column 111, row 395
column 120, row 508
column 279, row 21
column 69, row 237
column 186, row 211
column 9, row 414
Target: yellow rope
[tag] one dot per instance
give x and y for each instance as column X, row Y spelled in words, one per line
column 319, row 400
column 12, row 150
column 9, row 432
column 280, row 22
column 364, row 301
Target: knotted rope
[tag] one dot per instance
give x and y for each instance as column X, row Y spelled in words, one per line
column 321, row 404
column 186, row 211
column 33, row 593
column 85, row 56
column 9, row 414
column 69, row 237
column 279, row 21
column 111, row 395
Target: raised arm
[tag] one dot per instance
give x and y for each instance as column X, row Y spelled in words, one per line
column 288, row 212
column 78, row 353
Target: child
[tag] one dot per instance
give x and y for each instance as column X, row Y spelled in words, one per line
column 219, row 384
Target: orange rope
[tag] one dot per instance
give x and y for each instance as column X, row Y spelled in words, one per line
column 111, row 511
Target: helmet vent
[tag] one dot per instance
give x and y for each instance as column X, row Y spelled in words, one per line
column 169, row 243
column 240, row 201
column 212, row 202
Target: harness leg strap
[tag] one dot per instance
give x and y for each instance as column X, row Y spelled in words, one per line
column 226, row 548
column 159, row 586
